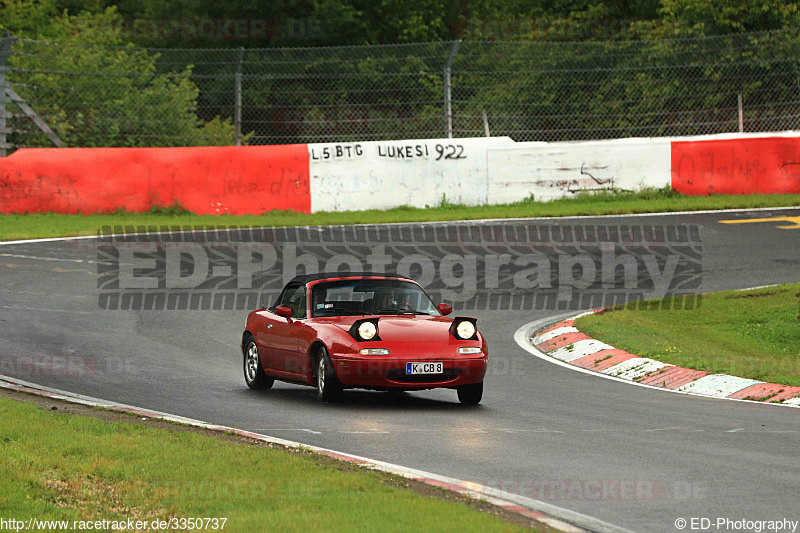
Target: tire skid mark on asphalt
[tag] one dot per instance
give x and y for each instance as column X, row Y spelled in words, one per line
column 540, row 431
column 54, row 269
column 676, row 428
column 36, row 258
column 10, row 290
column 25, row 308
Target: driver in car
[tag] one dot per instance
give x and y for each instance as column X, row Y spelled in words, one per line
column 403, row 302
column 391, row 300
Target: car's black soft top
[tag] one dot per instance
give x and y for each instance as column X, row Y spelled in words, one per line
column 305, row 278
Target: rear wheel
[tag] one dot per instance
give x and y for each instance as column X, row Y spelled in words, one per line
column 470, row 394
column 329, row 388
column 254, row 374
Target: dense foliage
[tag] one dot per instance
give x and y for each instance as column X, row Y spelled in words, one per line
column 356, row 22
column 163, row 72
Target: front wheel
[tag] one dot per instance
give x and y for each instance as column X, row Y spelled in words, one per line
column 470, row 394
column 254, row 374
column 329, row 388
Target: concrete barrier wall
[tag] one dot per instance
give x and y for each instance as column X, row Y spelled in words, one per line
column 385, row 174
column 742, row 165
column 476, row 171
column 558, row 170
column 205, row 180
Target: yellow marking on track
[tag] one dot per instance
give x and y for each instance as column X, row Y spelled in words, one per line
column 795, row 221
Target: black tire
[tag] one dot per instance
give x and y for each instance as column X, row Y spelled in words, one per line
column 470, row 394
column 254, row 374
column 329, row 388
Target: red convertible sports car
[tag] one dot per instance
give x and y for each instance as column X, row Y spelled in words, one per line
column 371, row 331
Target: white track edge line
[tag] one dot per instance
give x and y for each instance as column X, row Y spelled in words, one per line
column 571, row 518
column 434, row 222
column 522, row 338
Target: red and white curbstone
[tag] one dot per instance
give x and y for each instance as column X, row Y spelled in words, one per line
column 563, row 341
column 576, row 349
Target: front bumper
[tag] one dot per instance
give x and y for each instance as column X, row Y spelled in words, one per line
column 391, row 372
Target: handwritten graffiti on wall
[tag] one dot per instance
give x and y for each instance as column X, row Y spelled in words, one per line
column 204, row 180
column 769, row 165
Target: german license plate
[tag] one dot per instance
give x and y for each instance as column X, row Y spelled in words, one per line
column 424, row 368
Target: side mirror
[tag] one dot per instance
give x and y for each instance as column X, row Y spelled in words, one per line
column 445, row 309
column 285, row 312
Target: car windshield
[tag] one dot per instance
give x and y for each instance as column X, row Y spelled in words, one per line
column 370, row 297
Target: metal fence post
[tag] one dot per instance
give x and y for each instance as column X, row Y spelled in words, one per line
column 237, row 114
column 741, row 115
column 5, row 51
column 448, row 105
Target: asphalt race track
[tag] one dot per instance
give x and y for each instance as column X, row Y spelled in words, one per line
column 549, row 433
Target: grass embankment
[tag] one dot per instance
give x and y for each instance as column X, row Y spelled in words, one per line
column 69, row 467
column 751, row 334
column 29, row 226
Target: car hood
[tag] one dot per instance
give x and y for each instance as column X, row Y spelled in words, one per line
column 393, row 328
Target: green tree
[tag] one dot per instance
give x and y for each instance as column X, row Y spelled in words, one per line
column 99, row 95
column 719, row 17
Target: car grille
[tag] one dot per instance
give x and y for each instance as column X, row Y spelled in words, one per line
column 399, row 374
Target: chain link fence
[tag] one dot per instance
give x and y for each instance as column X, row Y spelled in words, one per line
column 94, row 95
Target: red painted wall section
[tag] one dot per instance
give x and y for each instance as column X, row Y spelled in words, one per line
column 205, row 180
column 766, row 165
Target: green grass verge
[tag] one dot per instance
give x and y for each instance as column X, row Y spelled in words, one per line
column 29, row 226
column 69, row 467
column 751, row 334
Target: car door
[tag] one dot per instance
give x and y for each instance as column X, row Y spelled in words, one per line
column 265, row 337
column 271, row 331
column 285, row 331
